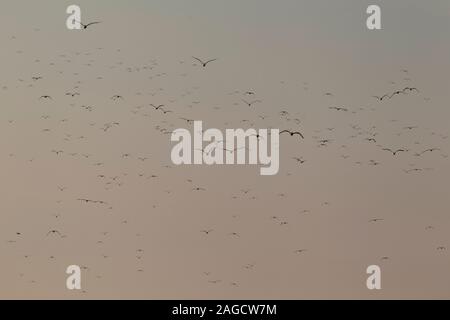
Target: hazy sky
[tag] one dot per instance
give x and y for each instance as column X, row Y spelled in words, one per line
column 147, row 242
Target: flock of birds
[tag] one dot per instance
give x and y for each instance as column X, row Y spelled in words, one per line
column 167, row 115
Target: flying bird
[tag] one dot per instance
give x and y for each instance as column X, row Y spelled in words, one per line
column 395, row 152
column 85, row 26
column 398, row 92
column 293, row 133
column 299, row 160
column 189, row 121
column 382, row 97
column 157, row 107
column 166, row 111
column 54, row 232
column 410, row 89
column 429, row 150
column 204, row 63
column 251, row 103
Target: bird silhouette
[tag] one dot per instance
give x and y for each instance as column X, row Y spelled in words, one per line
column 299, row 160
column 395, row 152
column 251, row 103
column 54, row 232
column 382, row 97
column 409, row 89
column 158, row 106
column 204, row 63
column 85, row 26
column 429, row 150
column 293, row 133
column 339, row 109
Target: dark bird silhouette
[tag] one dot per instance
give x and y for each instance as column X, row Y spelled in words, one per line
column 409, row 89
column 157, row 107
column 293, row 133
column 85, row 26
column 57, row 152
column 429, row 150
column 251, row 103
column 395, row 152
column 46, row 97
column 299, row 160
column 165, row 111
column 54, row 232
column 204, row 63
column 382, row 97
column 395, row 94
column 189, row 121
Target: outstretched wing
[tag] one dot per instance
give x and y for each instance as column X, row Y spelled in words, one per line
column 210, row 61
column 91, row 23
column 199, row 60
column 300, row 134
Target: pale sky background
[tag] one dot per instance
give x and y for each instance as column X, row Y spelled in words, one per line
column 147, row 242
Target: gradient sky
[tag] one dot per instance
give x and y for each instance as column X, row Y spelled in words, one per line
column 290, row 53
